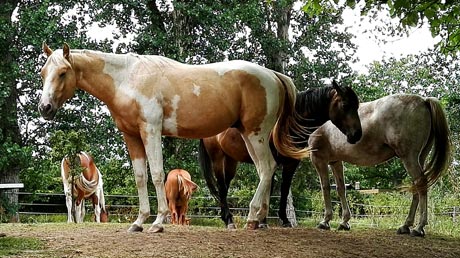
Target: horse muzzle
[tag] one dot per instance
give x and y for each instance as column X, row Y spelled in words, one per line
column 354, row 137
column 47, row 111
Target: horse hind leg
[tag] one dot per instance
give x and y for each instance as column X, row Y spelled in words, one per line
column 419, row 198
column 224, row 179
column 259, row 149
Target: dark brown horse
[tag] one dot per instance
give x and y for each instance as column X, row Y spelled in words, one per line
column 220, row 154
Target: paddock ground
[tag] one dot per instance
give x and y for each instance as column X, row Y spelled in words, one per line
column 112, row 240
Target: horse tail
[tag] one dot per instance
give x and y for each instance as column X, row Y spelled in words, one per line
column 440, row 135
column 287, row 123
column 206, row 168
column 188, row 185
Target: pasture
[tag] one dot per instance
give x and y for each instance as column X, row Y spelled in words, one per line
column 113, row 240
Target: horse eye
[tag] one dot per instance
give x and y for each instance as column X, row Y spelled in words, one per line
column 61, row 76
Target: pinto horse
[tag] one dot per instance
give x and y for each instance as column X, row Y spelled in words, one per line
column 87, row 185
column 220, row 154
column 405, row 126
column 149, row 96
column 179, row 188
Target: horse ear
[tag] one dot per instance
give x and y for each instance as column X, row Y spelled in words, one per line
column 66, row 51
column 46, row 49
column 336, row 86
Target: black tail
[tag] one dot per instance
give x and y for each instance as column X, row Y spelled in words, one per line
column 206, row 168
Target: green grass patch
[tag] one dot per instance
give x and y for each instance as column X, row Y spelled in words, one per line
column 17, row 245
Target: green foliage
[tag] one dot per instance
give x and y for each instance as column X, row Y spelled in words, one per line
column 441, row 16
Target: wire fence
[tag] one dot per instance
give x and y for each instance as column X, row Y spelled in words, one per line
column 124, row 208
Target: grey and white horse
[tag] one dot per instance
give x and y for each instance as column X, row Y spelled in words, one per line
column 402, row 125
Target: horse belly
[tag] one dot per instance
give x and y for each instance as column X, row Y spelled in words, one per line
column 200, row 117
column 234, row 146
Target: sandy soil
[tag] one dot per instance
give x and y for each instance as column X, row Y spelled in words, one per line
column 112, row 240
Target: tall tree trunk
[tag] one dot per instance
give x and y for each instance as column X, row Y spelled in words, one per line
column 9, row 128
column 282, row 16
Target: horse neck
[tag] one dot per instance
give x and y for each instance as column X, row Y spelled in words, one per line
column 89, row 172
column 98, row 73
column 313, row 106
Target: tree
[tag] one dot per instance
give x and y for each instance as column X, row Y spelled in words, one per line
column 14, row 153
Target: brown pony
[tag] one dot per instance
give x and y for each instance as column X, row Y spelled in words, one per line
column 87, row 185
column 149, row 96
column 179, row 188
column 220, row 154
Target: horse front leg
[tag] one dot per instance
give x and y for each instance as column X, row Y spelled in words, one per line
column 96, row 207
column 155, row 156
column 79, row 210
column 68, row 203
column 337, row 170
column 321, row 169
column 138, row 158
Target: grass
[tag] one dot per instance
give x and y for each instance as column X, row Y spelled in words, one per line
column 16, row 245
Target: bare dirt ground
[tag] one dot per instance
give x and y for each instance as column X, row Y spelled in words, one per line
column 112, row 240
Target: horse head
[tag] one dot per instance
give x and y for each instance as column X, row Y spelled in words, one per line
column 343, row 112
column 59, row 81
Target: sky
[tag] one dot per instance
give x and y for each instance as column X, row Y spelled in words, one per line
column 369, row 49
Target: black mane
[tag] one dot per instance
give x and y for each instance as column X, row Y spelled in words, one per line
column 313, row 106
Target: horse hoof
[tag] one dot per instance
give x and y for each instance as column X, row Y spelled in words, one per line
column 344, row 227
column 135, row 228
column 252, row 225
column 157, row 228
column 263, row 226
column 231, row 226
column 324, row 226
column 403, row 230
column 287, row 225
column 416, row 233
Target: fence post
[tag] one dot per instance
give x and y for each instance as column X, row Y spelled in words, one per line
column 454, row 214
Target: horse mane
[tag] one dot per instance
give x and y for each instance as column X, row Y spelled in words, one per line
column 313, row 102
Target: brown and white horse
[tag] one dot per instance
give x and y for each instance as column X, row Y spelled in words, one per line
column 150, row 96
column 87, row 185
column 179, row 188
column 405, row 126
column 219, row 155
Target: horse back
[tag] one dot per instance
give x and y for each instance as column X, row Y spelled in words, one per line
column 392, row 125
column 179, row 186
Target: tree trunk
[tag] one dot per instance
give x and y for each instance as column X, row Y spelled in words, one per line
column 290, row 210
column 10, row 136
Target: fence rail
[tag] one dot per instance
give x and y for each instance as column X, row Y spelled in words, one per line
column 119, row 204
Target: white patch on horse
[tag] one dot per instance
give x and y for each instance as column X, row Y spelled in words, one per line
column 112, row 67
column 196, row 90
column 170, row 123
